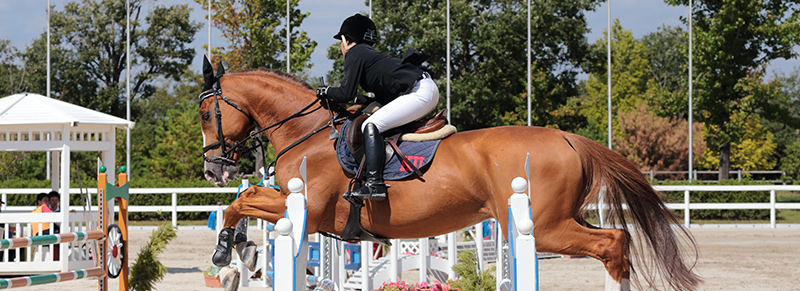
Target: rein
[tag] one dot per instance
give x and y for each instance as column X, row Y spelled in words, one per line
column 240, row 145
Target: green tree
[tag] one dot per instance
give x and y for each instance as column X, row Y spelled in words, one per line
column 88, row 52
column 176, row 155
column 10, row 73
column 732, row 38
column 151, row 112
column 781, row 116
column 488, row 53
column 630, row 72
column 667, row 86
column 755, row 147
column 256, row 31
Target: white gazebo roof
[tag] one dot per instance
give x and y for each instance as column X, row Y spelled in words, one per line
column 30, row 108
column 32, row 122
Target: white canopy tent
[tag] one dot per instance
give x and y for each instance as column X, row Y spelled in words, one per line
column 32, row 122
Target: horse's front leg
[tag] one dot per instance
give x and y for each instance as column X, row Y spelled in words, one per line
column 260, row 202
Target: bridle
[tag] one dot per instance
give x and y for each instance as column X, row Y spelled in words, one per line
column 239, row 146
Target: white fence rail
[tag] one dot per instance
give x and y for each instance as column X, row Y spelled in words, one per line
column 686, row 206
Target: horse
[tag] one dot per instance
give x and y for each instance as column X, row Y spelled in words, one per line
column 467, row 182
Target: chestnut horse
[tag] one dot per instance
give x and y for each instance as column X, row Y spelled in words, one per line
column 467, row 182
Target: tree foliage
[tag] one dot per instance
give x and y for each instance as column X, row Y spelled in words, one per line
column 179, row 142
column 11, row 75
column 732, row 38
column 88, row 53
column 629, row 77
column 781, row 116
column 752, row 152
column 667, row 85
column 656, row 143
column 256, row 31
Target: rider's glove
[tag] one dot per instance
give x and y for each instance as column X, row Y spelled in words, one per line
column 322, row 92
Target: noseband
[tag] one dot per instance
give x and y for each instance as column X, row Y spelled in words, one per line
column 228, row 149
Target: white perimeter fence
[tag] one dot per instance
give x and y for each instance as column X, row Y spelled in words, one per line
column 174, row 208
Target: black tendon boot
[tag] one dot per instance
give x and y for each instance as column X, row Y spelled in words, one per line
column 222, row 252
column 374, row 152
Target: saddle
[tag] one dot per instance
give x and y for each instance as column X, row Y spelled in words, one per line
column 433, row 128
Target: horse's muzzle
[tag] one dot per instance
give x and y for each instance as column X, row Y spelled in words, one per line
column 220, row 172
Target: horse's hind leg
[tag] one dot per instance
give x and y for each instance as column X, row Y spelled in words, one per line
column 610, row 246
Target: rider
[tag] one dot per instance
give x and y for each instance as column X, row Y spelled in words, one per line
column 404, row 91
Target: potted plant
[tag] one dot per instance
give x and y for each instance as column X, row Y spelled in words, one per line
column 212, row 277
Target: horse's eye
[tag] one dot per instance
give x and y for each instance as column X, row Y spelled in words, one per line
column 205, row 116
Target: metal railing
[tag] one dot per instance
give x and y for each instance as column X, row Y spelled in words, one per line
column 686, row 206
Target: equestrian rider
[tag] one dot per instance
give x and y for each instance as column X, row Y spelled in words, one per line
column 403, row 90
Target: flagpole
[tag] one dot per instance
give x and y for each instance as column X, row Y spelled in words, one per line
column 691, row 109
column 128, row 87
column 448, row 62
column 529, row 62
column 209, row 30
column 288, row 38
column 48, row 82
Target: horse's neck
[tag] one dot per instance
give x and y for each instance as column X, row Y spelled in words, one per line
column 273, row 107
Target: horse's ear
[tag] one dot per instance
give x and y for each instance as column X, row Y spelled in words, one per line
column 220, row 70
column 208, row 74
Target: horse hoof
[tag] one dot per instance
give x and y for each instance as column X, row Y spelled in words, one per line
column 229, row 277
column 248, row 253
column 222, row 252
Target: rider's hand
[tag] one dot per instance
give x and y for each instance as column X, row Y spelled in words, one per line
column 322, row 92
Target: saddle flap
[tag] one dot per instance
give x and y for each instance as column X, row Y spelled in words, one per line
column 355, row 137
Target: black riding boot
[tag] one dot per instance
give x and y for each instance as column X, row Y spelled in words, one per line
column 374, row 152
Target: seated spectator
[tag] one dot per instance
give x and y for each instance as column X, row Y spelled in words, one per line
column 55, row 201
column 42, row 200
column 55, row 205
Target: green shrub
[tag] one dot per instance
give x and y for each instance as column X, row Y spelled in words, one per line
column 147, row 270
column 469, row 278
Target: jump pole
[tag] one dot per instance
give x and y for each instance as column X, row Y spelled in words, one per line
column 121, row 194
column 20, row 242
column 51, row 278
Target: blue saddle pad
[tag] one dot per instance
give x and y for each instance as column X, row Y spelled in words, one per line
column 418, row 153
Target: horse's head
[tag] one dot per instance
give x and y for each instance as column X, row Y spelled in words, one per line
column 225, row 127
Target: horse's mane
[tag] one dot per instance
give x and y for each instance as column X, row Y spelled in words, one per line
column 282, row 75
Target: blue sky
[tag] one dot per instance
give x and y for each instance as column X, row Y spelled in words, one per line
column 28, row 21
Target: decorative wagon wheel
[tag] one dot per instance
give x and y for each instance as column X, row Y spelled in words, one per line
column 114, row 249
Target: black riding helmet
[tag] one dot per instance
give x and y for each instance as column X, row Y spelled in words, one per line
column 358, row 28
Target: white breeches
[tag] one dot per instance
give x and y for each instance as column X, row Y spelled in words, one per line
column 406, row 108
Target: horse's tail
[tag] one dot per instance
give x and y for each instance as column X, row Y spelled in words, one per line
column 657, row 251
